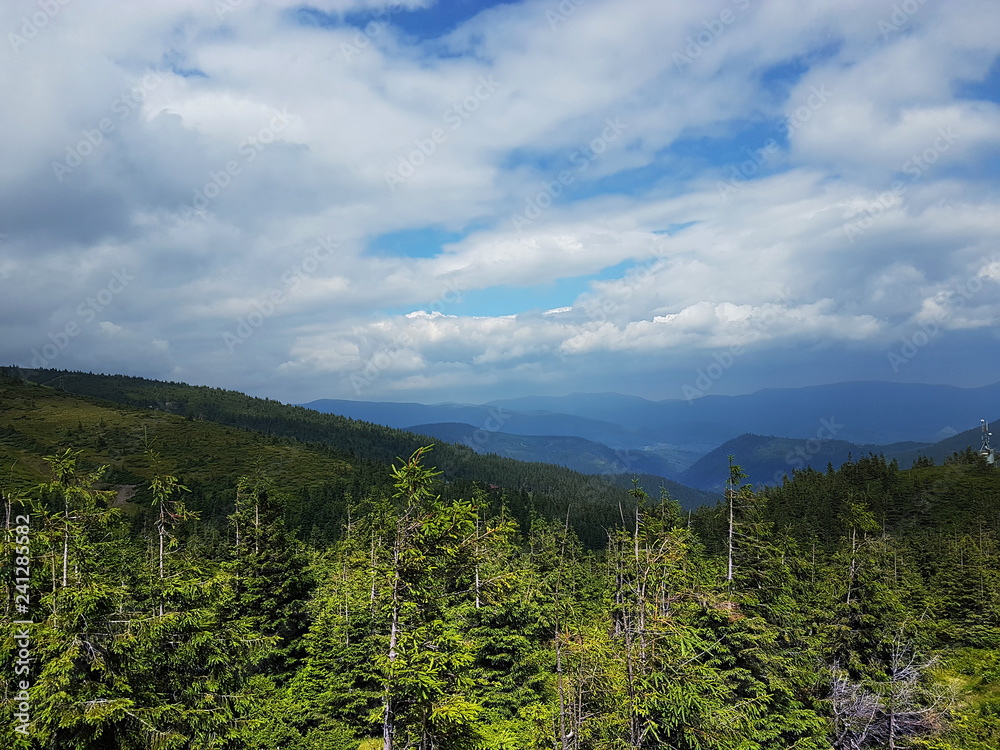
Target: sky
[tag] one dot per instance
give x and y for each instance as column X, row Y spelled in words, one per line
column 464, row 201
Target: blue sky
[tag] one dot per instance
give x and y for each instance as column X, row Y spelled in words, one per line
column 464, row 201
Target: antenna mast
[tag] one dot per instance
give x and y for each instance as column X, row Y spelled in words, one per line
column 986, row 451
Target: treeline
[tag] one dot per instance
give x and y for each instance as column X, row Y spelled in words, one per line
column 857, row 608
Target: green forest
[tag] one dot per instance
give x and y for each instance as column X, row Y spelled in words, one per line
column 201, row 569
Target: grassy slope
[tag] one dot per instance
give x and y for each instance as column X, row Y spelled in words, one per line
column 36, row 421
column 361, row 440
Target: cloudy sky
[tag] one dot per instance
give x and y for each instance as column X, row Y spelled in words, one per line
column 465, row 200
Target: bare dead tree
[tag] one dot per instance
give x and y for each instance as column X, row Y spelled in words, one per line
column 881, row 712
column 855, row 709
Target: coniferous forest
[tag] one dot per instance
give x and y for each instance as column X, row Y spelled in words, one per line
column 222, row 572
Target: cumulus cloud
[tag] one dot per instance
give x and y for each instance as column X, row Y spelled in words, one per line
column 411, row 200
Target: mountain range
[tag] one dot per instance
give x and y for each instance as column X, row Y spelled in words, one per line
column 771, row 432
column 685, row 450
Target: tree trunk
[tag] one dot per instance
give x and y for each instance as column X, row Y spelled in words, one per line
column 477, row 558
column 162, row 531
column 374, row 574
column 729, row 565
column 66, row 545
column 387, row 727
column 850, row 572
column 562, row 699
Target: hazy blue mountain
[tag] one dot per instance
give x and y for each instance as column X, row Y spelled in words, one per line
column 868, row 413
column 580, row 454
column 865, row 412
column 491, row 418
column 607, row 407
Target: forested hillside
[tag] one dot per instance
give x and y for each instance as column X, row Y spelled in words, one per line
column 544, row 487
column 177, row 599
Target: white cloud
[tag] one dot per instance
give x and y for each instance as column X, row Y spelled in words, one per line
column 603, row 276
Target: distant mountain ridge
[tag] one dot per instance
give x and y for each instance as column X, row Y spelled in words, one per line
column 487, row 417
column 765, row 459
column 868, row 413
column 579, row 454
